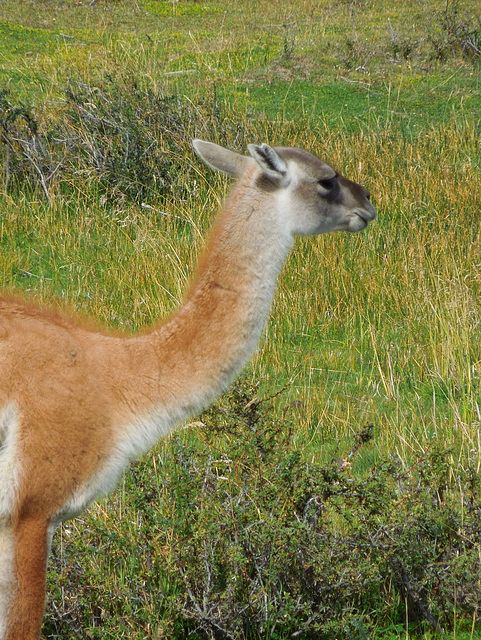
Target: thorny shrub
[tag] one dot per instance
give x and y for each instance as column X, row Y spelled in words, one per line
column 128, row 142
column 267, row 545
column 23, row 152
column 456, row 32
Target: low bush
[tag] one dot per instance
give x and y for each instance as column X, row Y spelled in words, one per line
column 456, row 33
column 115, row 137
column 26, row 159
column 267, row 545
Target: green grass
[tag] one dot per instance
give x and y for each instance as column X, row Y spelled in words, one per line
column 411, row 101
column 382, row 327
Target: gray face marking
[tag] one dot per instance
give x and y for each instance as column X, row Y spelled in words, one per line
column 335, row 201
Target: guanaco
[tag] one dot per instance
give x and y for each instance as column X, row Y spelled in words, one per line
column 76, row 405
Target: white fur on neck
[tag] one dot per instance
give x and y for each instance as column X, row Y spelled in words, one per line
column 9, row 460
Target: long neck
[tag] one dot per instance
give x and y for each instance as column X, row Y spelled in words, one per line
column 203, row 346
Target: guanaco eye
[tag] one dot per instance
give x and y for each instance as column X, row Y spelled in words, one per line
column 327, row 183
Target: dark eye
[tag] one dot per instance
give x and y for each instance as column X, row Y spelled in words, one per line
column 327, row 183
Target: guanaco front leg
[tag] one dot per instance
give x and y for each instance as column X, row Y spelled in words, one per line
column 7, row 576
column 31, row 547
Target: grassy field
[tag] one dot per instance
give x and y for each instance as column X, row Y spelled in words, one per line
column 380, row 328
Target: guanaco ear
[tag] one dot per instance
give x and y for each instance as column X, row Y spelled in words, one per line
column 219, row 158
column 270, row 162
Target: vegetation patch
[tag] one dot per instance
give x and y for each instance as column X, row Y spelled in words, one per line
column 159, row 8
column 456, row 31
column 125, row 140
column 253, row 541
column 18, row 40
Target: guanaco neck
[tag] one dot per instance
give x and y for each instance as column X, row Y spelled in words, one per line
column 191, row 359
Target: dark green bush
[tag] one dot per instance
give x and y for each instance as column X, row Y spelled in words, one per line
column 126, row 141
column 456, row 32
column 266, row 545
column 26, row 156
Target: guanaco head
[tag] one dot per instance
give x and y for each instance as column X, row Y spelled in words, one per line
column 311, row 196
